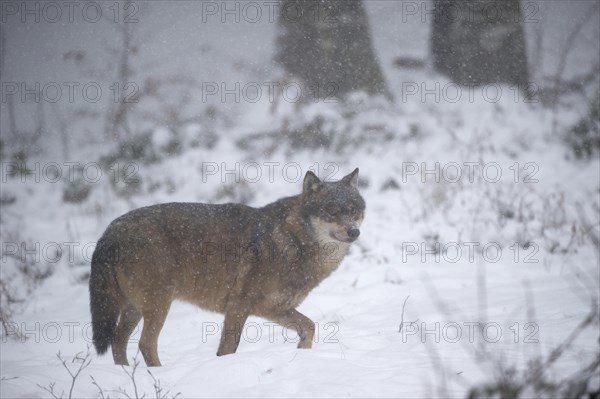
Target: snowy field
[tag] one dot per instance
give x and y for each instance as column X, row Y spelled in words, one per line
column 476, row 257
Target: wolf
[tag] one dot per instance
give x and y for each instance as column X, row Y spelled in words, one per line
column 226, row 258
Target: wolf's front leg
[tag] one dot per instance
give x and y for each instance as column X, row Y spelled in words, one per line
column 232, row 331
column 295, row 320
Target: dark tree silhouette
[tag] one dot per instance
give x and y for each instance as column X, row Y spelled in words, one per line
column 327, row 45
column 479, row 42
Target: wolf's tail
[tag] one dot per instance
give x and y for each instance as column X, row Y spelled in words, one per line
column 103, row 290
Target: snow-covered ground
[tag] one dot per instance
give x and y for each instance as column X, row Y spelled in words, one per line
column 473, row 255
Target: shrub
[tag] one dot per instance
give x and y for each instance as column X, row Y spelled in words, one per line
column 584, row 137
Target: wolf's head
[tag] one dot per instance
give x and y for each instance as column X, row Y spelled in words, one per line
column 334, row 210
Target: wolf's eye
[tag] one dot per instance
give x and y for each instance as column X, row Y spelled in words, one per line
column 330, row 209
column 352, row 211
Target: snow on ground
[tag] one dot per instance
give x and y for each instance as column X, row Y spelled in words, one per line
column 359, row 309
column 514, row 275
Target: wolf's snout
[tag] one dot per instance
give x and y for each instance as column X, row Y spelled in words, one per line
column 353, row 233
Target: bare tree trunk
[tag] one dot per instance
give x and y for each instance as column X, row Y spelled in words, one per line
column 326, row 46
column 480, row 42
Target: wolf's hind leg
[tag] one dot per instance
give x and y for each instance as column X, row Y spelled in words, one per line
column 154, row 319
column 295, row 320
column 130, row 317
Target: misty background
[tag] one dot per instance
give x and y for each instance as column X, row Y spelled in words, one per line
column 168, row 57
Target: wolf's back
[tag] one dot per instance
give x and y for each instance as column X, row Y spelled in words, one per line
column 104, row 304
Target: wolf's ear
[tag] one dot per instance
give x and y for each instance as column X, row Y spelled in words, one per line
column 352, row 178
column 311, row 182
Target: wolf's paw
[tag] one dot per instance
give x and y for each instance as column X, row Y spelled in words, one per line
column 306, row 344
